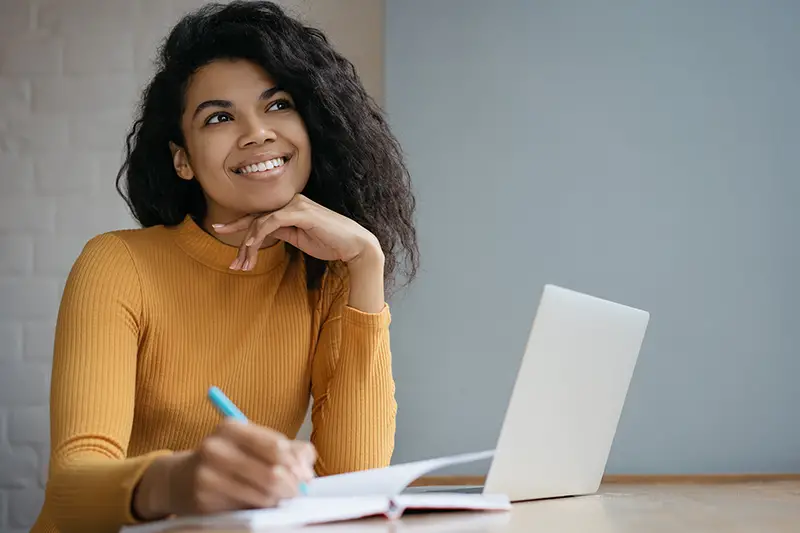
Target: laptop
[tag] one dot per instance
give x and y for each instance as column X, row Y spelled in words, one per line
column 567, row 399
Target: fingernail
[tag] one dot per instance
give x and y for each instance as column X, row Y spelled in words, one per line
column 303, row 489
column 217, row 226
column 250, row 241
column 246, row 265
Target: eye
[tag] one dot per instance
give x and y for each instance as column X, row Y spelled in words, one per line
column 280, row 105
column 216, row 118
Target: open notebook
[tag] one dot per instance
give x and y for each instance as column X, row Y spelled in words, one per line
column 376, row 492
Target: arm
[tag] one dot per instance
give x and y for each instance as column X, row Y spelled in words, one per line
column 354, row 408
column 92, row 392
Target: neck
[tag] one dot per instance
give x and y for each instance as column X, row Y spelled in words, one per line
column 219, row 215
column 203, row 246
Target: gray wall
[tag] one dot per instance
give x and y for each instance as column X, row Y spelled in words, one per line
column 645, row 152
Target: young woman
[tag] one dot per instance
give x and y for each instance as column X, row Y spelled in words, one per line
column 276, row 210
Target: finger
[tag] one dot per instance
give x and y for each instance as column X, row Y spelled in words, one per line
column 290, row 235
column 235, row 226
column 273, row 452
column 296, row 217
column 263, row 443
column 272, row 480
column 240, row 262
column 282, row 483
column 223, row 454
column 248, row 250
column 253, row 241
column 306, row 456
column 251, row 245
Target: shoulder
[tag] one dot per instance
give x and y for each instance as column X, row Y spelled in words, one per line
column 106, row 272
column 116, row 252
column 126, row 243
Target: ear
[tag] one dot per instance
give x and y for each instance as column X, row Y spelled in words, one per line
column 181, row 162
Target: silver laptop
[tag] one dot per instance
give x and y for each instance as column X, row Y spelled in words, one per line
column 567, row 400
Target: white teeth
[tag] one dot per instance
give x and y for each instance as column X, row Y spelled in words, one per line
column 263, row 166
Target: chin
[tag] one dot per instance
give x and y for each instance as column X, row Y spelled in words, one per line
column 273, row 203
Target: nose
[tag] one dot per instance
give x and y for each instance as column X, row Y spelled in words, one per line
column 256, row 131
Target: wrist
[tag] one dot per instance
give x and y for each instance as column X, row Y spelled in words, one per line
column 152, row 498
column 370, row 261
column 366, row 280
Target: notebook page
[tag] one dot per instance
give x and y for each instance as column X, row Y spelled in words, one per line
column 303, row 511
column 387, row 481
column 295, row 512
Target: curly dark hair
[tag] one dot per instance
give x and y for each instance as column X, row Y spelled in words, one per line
column 357, row 164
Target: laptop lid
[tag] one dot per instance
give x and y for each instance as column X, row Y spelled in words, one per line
column 568, row 397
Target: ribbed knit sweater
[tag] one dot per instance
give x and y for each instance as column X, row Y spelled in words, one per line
column 151, row 318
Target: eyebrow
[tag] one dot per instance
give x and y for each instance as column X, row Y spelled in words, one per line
column 227, row 104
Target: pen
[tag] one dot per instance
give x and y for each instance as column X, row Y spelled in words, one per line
column 226, row 407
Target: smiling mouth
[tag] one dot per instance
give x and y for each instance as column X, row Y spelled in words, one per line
column 263, row 166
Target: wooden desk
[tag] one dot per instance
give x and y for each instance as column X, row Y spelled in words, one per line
column 753, row 507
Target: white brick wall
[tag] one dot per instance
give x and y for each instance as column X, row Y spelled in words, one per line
column 69, row 75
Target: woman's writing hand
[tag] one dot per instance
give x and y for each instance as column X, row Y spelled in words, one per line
column 239, row 466
column 308, row 226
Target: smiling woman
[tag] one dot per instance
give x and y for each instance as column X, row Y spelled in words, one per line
column 237, row 124
column 276, row 210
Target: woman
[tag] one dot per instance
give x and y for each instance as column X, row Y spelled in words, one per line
column 276, row 209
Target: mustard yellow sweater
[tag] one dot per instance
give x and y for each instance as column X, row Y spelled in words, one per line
column 151, row 318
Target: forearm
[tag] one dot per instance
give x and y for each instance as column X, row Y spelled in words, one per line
column 90, row 490
column 354, row 423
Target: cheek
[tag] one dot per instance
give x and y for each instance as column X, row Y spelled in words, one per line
column 304, row 147
column 304, row 159
column 209, row 153
column 295, row 132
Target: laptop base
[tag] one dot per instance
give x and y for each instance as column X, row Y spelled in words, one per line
column 458, row 489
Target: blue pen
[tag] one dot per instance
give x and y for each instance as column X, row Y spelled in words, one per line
column 226, row 407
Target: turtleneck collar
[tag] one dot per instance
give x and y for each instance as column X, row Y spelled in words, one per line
column 210, row 251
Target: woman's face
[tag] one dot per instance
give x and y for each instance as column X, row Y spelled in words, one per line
column 246, row 143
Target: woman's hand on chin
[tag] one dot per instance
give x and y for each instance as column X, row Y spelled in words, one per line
column 321, row 233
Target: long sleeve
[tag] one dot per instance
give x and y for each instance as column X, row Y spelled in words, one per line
column 93, row 389
column 354, row 411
